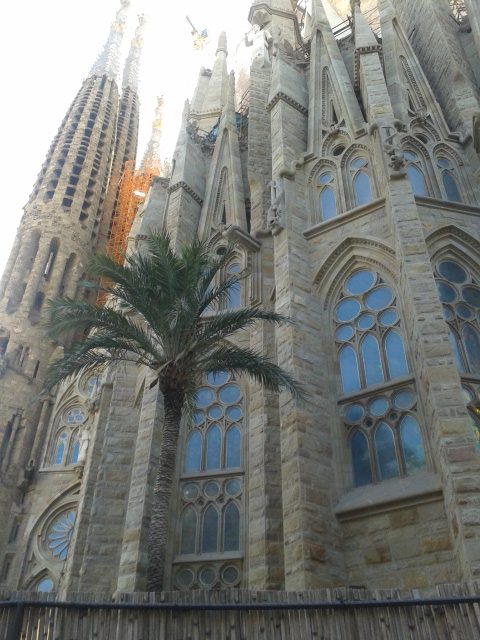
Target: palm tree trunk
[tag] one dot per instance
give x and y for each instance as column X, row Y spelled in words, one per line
column 162, row 491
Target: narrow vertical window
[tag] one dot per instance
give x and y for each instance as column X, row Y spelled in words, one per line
column 415, row 173
column 235, row 292
column 188, row 531
column 194, row 452
column 60, row 448
column 385, row 451
column 327, row 199
column 362, row 470
column 362, row 186
column 449, row 180
column 412, row 445
column 210, row 530
column 231, row 528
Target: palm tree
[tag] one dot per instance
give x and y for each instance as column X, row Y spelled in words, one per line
column 166, row 311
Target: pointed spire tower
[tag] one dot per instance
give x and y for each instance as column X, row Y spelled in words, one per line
column 126, row 137
column 56, row 236
column 152, row 159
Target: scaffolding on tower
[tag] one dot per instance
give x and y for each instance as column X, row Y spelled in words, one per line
column 132, row 191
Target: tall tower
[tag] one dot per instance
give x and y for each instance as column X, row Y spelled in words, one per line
column 58, row 231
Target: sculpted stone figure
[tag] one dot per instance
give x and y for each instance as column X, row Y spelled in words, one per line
column 260, row 40
column 277, row 208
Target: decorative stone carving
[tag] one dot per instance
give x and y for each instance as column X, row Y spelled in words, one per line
column 260, row 41
column 277, row 208
column 393, row 148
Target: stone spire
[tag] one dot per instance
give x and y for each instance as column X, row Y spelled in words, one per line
column 218, row 84
column 151, row 159
column 132, row 64
column 107, row 62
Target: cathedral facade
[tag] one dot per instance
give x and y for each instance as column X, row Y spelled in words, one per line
column 348, row 178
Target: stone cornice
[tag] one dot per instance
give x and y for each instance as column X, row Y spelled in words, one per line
column 239, row 235
column 343, row 218
column 181, row 184
column 447, row 205
column 280, row 95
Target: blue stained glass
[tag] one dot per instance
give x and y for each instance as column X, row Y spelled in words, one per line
column 45, row 586
column 349, row 369
column 188, row 531
column 372, row 362
column 234, row 413
column 234, row 296
column 362, row 470
column 230, row 394
column 395, row 354
column 417, row 181
column 362, row 189
column 203, row 397
column 446, row 293
column 388, row 317
column 328, row 205
column 60, row 535
column 404, row 399
column 344, row 333
column 464, row 311
column 193, row 453
column 60, row 450
column 472, row 348
column 210, row 530
column 471, row 295
column 358, row 163
column 354, row 413
column 215, row 412
column 365, row 321
column 233, row 448
column 379, row 298
column 412, row 445
column 325, row 178
column 378, row 407
column 451, row 187
column 347, row 310
column 385, row 450
column 231, row 528
column 214, row 447
column 456, row 351
column 234, row 268
column 452, row 271
column 216, row 378
column 75, row 452
column 360, row 282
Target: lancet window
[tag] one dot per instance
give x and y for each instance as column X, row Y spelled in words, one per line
column 415, row 173
column 449, row 179
column 210, row 509
column 379, row 400
column 66, row 444
column 361, row 181
column 327, row 198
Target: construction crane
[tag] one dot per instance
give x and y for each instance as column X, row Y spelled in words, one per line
column 199, row 37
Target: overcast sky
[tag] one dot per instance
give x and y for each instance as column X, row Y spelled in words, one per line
column 47, row 48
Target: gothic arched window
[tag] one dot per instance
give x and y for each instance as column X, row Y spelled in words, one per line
column 415, row 173
column 371, row 348
column 361, row 181
column 459, row 292
column 327, row 195
column 382, row 431
column 65, row 449
column 449, row 179
column 211, row 488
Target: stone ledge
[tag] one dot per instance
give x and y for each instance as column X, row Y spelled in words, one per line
column 437, row 203
column 342, row 218
column 389, row 495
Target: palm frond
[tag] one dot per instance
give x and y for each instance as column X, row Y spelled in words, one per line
column 240, row 360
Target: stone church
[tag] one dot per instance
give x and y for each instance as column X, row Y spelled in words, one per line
column 347, row 175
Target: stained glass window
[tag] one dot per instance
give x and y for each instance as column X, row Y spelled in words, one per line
column 459, row 291
column 59, row 535
column 212, row 488
column 383, row 435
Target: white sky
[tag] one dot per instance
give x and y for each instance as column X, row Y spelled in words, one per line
column 47, row 48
